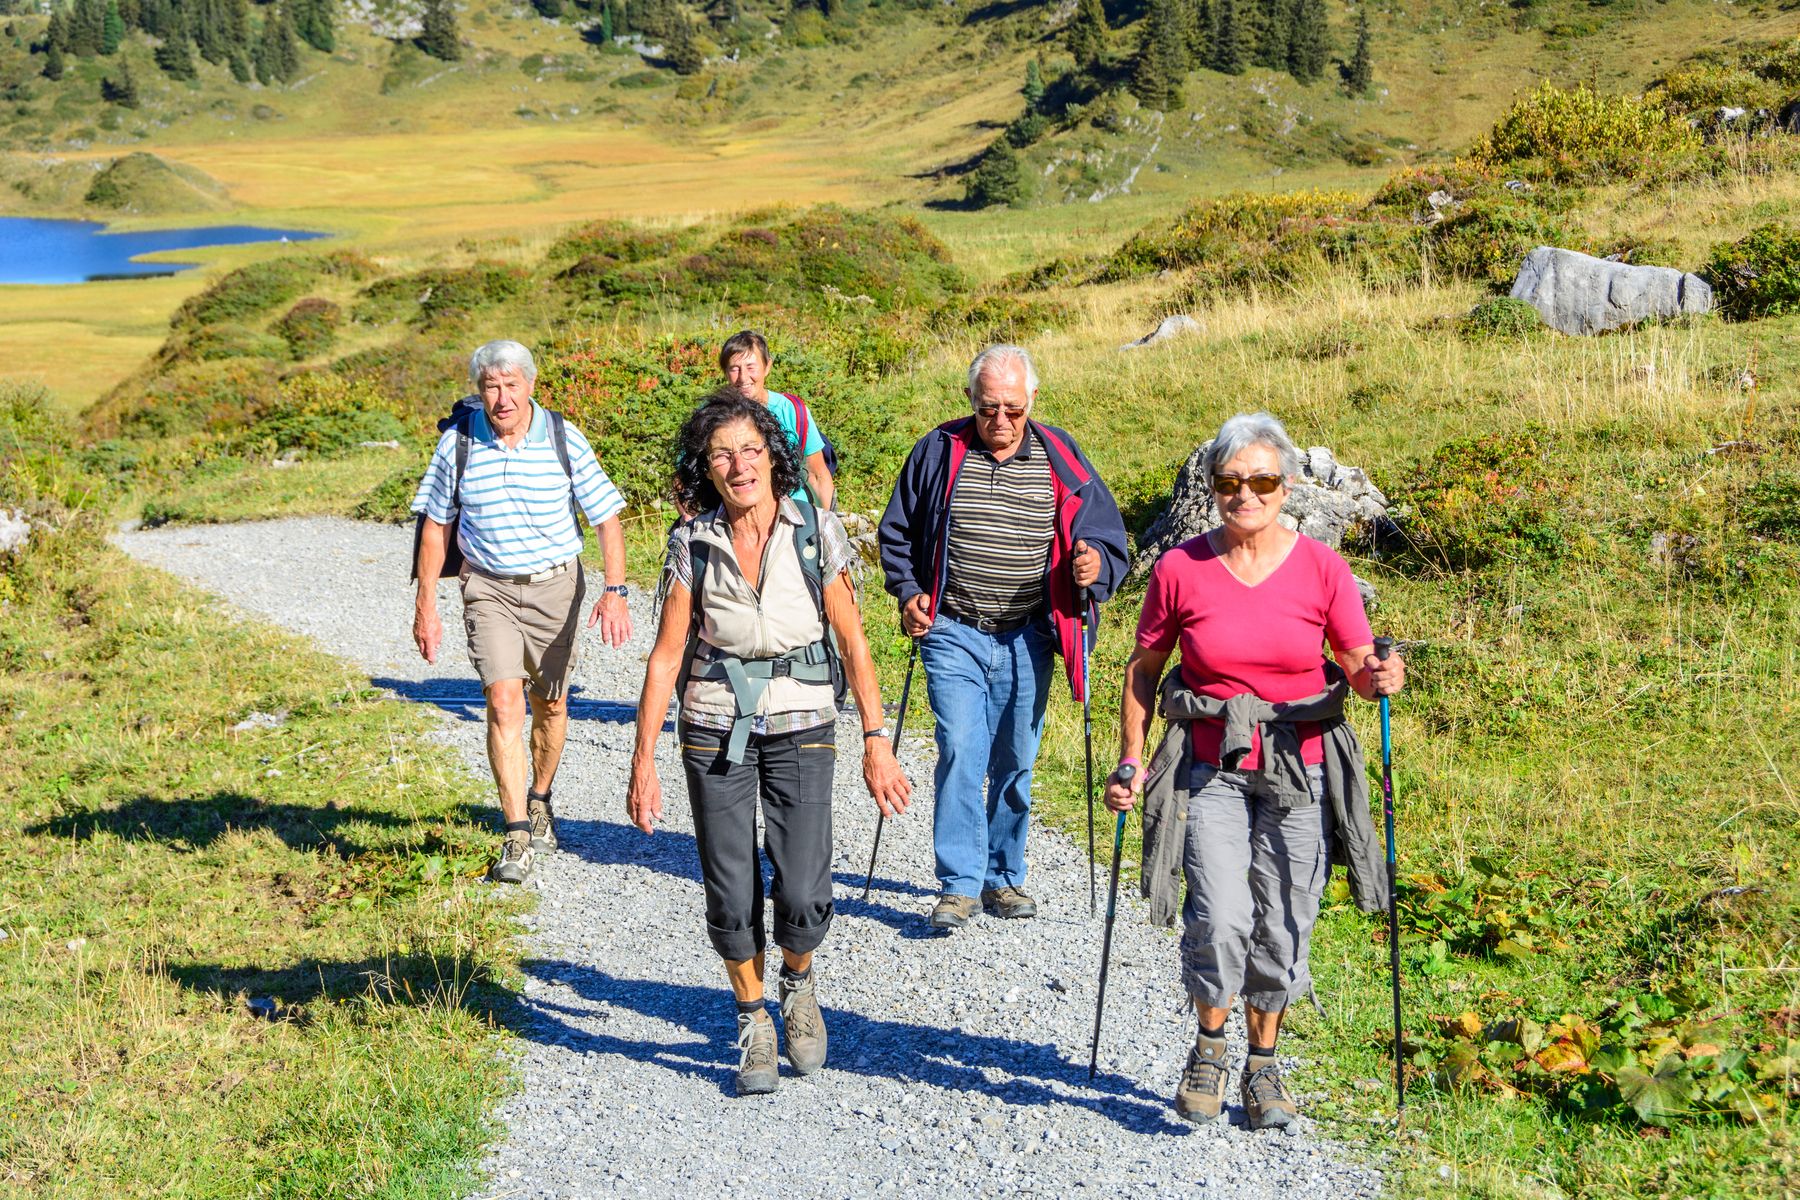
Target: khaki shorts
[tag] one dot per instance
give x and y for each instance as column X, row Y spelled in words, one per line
column 524, row 630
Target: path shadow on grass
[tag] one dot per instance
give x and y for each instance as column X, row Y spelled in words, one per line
column 944, row 1058
column 674, row 853
column 194, row 822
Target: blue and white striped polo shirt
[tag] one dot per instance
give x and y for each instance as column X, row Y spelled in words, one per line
column 515, row 503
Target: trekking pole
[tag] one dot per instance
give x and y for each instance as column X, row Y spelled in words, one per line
column 899, row 724
column 1087, row 737
column 1384, row 646
column 1126, row 774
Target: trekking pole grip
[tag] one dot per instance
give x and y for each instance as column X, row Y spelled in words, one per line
column 1384, row 646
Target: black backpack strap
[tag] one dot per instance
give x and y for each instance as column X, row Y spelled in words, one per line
column 809, row 544
column 698, row 554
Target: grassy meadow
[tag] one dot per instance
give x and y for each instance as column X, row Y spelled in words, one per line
column 1595, row 573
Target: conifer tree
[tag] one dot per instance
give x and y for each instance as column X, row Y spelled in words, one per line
column 316, row 24
column 53, row 61
column 1199, row 31
column 621, row 17
column 175, row 57
column 237, row 28
column 1033, row 90
column 1161, row 60
column 1275, row 30
column 1361, row 72
column 998, row 179
column 56, row 36
column 1227, row 41
column 678, row 43
column 606, row 24
column 1087, row 36
column 112, row 30
column 1310, row 47
column 156, row 17
column 87, row 26
column 130, row 12
column 210, row 23
column 277, row 56
column 438, row 37
column 120, row 88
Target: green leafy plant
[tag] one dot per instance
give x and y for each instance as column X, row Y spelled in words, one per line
column 1759, row 274
column 1487, row 911
column 1579, row 134
column 1484, row 499
column 1503, row 317
column 309, row 327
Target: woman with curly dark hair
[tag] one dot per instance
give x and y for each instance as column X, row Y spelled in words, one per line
column 756, row 585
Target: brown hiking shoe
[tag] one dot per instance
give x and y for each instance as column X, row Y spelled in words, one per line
column 543, row 822
column 1200, row 1097
column 1267, row 1102
column 517, row 863
column 1008, row 902
column 953, row 912
column 802, row 1024
column 757, row 1072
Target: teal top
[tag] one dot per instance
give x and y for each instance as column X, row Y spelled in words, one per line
column 788, row 418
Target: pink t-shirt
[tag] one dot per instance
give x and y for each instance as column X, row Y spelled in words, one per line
column 1265, row 639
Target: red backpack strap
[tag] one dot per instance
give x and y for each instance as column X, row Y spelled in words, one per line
column 802, row 424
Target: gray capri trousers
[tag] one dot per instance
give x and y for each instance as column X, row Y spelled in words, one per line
column 1255, row 872
column 791, row 775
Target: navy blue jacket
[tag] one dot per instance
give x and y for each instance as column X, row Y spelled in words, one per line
column 914, row 527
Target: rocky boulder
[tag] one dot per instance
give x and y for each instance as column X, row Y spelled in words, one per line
column 1327, row 502
column 1579, row 294
column 1178, row 325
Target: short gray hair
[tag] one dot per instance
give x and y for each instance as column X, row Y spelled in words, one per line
column 994, row 355
column 500, row 358
column 1241, row 432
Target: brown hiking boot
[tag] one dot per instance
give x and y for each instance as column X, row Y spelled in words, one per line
column 1008, row 902
column 517, row 863
column 757, row 1072
column 1267, row 1102
column 543, row 822
column 1200, row 1096
column 953, row 912
column 802, row 1024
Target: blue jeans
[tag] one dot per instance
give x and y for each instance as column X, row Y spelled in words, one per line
column 988, row 693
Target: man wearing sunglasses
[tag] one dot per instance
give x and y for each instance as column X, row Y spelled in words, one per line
column 998, row 536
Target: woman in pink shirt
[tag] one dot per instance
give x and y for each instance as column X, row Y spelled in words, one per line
column 1251, row 605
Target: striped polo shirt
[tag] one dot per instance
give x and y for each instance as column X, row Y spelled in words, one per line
column 515, row 502
column 1002, row 521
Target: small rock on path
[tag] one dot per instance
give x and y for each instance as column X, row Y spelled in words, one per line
column 958, row 1064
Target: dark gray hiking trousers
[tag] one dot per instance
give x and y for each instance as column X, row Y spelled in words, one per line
column 790, row 773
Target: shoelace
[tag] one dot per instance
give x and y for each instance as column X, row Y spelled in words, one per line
column 1204, row 1075
column 514, row 851
column 804, row 1025
column 1264, row 1085
column 752, row 1050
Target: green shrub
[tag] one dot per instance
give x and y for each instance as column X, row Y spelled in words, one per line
column 1502, row 317
column 1486, row 240
column 321, row 415
column 999, row 178
column 614, row 242
column 441, row 294
column 641, row 79
column 1231, row 233
column 309, row 327
column 1578, row 134
column 1758, row 275
column 1707, row 83
column 230, row 340
column 390, row 501
column 249, row 291
column 1486, row 499
column 1001, row 317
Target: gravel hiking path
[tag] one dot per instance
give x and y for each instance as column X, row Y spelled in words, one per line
column 958, row 1063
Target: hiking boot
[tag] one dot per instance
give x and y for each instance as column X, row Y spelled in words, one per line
column 517, row 861
column 802, row 1024
column 757, row 1072
column 543, row 822
column 1267, row 1103
column 953, row 912
column 1008, row 902
column 1200, row 1096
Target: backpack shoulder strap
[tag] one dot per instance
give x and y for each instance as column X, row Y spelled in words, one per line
column 559, row 435
column 810, row 548
column 462, row 465
column 802, row 423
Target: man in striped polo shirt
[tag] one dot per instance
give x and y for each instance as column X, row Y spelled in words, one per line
column 522, row 582
column 998, row 536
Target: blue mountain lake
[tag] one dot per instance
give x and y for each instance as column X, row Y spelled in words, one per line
column 39, row 251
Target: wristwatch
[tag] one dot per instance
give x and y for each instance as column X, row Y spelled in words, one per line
column 617, row 589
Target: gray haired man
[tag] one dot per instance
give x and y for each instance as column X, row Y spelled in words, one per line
column 501, row 477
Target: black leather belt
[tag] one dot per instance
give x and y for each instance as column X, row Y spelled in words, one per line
column 988, row 624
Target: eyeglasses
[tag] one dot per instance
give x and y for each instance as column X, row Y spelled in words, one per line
column 1261, row 485
column 988, row 412
column 721, row 460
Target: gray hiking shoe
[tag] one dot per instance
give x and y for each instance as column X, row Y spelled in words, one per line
column 757, row 1072
column 543, row 822
column 802, row 1024
column 1267, row 1102
column 517, row 864
column 953, row 912
column 1200, row 1097
column 1008, row 902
